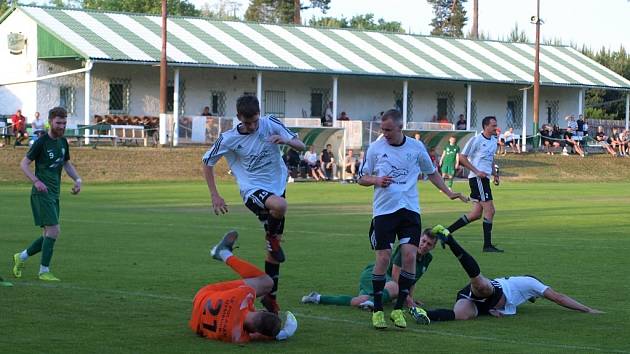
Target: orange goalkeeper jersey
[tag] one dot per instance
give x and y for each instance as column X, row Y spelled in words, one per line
column 219, row 311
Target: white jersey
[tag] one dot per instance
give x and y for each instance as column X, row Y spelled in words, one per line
column 255, row 162
column 480, row 152
column 518, row 290
column 404, row 164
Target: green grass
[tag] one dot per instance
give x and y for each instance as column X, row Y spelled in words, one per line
column 131, row 257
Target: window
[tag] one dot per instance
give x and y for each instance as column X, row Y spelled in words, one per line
column 442, row 104
column 217, row 103
column 445, row 109
column 119, row 96
column 275, row 103
column 552, row 111
column 398, row 102
column 170, row 94
column 510, row 114
column 317, row 104
column 66, row 98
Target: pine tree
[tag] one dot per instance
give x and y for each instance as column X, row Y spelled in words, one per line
column 450, row 17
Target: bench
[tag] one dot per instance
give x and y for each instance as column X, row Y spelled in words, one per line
column 5, row 131
column 132, row 133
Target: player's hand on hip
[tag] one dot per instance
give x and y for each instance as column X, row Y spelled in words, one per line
column 276, row 139
column 482, row 174
column 383, row 181
column 219, row 206
column 40, row 186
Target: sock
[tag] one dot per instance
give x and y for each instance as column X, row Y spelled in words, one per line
column 450, row 183
column 466, row 260
column 225, row 254
column 441, row 315
column 341, row 300
column 43, row 269
column 378, row 284
column 34, row 248
column 273, row 270
column 274, row 225
column 47, row 250
column 487, row 232
column 23, row 255
column 461, row 222
column 405, row 280
column 243, row 268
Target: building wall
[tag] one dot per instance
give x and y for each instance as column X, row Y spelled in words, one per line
column 18, row 67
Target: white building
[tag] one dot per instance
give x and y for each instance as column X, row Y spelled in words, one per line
column 69, row 57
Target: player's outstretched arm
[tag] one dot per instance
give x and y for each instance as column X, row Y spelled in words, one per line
column 439, row 183
column 566, row 301
column 218, row 204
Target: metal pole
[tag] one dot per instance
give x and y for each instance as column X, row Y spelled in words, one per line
column 259, row 90
column 537, row 69
column 163, row 77
column 524, row 133
column 581, row 101
column 404, row 103
column 468, row 105
column 334, row 107
column 87, row 99
column 627, row 110
column 176, row 108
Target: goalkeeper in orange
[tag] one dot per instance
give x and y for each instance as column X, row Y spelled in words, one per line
column 225, row 311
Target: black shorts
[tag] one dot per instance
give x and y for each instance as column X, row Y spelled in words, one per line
column 483, row 305
column 256, row 203
column 480, row 189
column 404, row 223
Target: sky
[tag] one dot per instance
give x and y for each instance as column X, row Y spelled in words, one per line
column 595, row 23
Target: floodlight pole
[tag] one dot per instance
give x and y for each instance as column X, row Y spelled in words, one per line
column 537, row 71
column 163, row 77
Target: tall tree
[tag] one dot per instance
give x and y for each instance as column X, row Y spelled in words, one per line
column 474, row 30
column 221, row 10
column 450, row 17
column 4, row 6
column 175, row 7
column 281, row 11
column 608, row 104
column 362, row 22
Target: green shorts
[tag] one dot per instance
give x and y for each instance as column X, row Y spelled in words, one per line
column 45, row 210
column 448, row 169
column 365, row 281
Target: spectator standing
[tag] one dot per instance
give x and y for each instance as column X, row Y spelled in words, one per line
column 206, row 112
column 327, row 119
column 344, row 116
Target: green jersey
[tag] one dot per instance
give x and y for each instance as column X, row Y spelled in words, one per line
column 422, row 263
column 450, row 156
column 49, row 155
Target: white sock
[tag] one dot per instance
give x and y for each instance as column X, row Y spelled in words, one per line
column 23, row 255
column 43, row 269
column 225, row 254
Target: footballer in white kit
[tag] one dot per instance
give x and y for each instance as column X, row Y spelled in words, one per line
column 252, row 150
column 478, row 157
column 496, row 297
column 392, row 165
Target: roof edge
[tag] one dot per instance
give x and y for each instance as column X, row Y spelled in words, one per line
column 8, row 12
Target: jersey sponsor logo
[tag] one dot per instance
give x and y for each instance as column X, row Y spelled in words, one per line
column 255, row 162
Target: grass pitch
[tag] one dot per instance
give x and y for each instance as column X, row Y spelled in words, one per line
column 131, row 257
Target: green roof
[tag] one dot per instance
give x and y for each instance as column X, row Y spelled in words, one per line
column 111, row 36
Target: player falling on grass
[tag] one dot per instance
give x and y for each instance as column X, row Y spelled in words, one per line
column 497, row 297
column 225, row 311
column 449, row 162
column 478, row 157
column 365, row 299
column 252, row 150
column 392, row 165
column 51, row 154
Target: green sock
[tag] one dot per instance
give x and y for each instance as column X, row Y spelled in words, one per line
column 35, row 247
column 47, row 250
column 342, row 300
column 450, row 183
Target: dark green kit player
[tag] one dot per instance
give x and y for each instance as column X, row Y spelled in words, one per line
column 365, row 300
column 51, row 154
column 449, row 162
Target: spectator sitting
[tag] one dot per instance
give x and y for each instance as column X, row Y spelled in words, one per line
column 569, row 141
column 546, row 134
column 38, row 125
column 350, row 164
column 416, row 136
column 624, row 135
column 500, row 143
column 310, row 157
column 327, row 162
column 19, row 127
column 206, row 111
column 343, row 116
column 511, row 139
column 615, row 141
column 292, row 160
column 601, row 139
column 461, row 123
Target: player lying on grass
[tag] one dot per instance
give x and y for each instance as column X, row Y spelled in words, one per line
column 497, row 297
column 225, row 311
column 365, row 299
